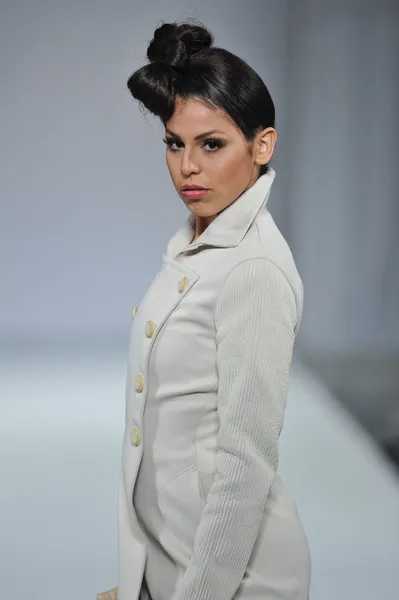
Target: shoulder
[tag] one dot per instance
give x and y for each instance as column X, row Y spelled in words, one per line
column 265, row 266
column 275, row 248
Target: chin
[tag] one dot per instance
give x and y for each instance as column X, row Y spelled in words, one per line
column 201, row 210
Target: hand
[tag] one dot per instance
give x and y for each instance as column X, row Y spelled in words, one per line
column 108, row 595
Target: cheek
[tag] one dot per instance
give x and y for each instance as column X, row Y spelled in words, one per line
column 231, row 166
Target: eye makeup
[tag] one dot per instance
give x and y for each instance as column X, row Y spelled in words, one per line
column 211, row 144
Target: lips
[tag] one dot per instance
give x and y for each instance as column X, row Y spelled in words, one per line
column 194, row 192
column 189, row 188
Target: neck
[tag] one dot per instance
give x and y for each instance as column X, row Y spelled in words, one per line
column 201, row 223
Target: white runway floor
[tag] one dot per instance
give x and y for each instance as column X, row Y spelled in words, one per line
column 60, row 438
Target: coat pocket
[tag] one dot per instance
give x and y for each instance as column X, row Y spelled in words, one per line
column 181, row 505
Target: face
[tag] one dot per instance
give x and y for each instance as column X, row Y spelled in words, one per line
column 204, row 147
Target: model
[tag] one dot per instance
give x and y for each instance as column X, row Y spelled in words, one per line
column 203, row 512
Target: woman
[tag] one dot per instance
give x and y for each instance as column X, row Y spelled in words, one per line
column 203, row 513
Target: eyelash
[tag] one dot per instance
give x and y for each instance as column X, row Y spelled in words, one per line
column 170, row 141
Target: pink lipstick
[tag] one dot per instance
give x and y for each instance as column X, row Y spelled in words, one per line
column 194, row 192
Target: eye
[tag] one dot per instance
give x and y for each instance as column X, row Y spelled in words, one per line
column 170, row 142
column 213, row 144
column 210, row 144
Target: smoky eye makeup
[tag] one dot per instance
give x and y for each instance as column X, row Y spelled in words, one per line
column 169, row 141
column 210, row 144
column 213, row 143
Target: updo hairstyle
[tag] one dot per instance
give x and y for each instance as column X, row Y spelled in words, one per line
column 183, row 62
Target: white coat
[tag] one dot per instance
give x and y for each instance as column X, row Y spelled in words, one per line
column 203, row 513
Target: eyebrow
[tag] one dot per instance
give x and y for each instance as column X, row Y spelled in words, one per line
column 197, row 137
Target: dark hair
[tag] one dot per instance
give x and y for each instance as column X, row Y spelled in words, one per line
column 184, row 63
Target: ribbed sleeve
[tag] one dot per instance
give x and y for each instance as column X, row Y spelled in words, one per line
column 255, row 322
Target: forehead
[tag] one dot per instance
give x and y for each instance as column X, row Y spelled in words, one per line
column 193, row 116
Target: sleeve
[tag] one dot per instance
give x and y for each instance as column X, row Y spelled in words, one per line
column 256, row 321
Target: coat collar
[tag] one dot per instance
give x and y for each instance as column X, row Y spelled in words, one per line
column 230, row 226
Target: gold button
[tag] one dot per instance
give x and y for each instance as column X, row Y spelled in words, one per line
column 150, row 328
column 135, row 436
column 183, row 283
column 139, row 383
column 134, row 311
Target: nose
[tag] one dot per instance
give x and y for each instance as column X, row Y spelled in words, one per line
column 188, row 164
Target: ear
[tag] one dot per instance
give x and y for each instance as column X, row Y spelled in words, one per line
column 264, row 145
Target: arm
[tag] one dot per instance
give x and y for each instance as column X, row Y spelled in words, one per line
column 256, row 319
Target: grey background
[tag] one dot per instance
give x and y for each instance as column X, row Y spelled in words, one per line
column 87, row 208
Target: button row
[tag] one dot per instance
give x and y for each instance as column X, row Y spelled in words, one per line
column 150, row 328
